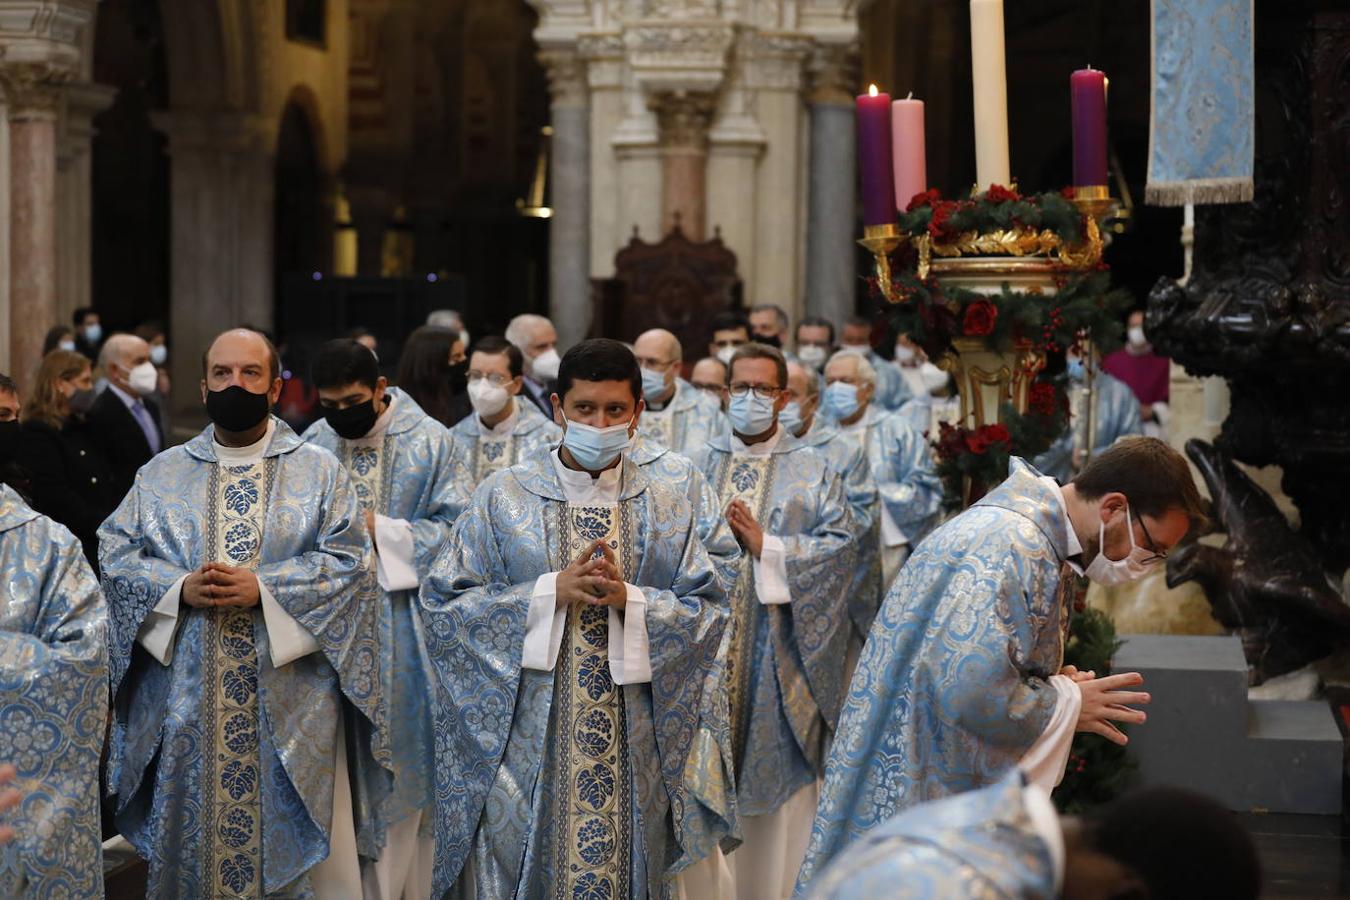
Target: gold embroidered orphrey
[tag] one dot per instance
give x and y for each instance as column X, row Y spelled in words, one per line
column 231, row 791
column 593, row 840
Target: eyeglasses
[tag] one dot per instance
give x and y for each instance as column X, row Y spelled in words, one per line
column 1158, row 555
column 761, row 392
column 493, row 378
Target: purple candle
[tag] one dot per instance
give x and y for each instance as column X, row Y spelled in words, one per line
column 874, row 157
column 1087, row 96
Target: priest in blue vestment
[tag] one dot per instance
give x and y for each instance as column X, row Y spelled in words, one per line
column 790, row 623
column 503, row 429
column 962, row 678
column 573, row 620
column 1115, row 413
column 675, row 413
column 402, row 466
column 245, row 660
column 53, row 705
column 1006, row 840
column 891, row 390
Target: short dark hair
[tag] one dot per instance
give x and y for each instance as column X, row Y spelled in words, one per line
column 77, row 317
column 857, row 321
column 779, row 314
column 1154, row 477
column 1179, row 843
column 496, row 345
column 273, row 357
column 815, row 322
column 760, row 351
column 7, row 385
column 344, row 361
column 599, row 359
column 729, row 321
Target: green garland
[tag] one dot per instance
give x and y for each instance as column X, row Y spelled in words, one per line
column 998, row 209
column 1098, row 770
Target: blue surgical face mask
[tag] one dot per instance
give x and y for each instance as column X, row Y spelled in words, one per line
column 750, row 415
column 791, row 417
column 841, row 400
column 595, row 448
column 1074, row 366
column 93, row 333
column 653, row 384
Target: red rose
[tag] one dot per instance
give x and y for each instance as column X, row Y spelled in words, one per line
column 1042, row 399
column 940, row 225
column 997, row 193
column 1068, row 193
column 979, row 319
column 930, row 197
column 950, row 442
column 997, row 434
column 977, row 443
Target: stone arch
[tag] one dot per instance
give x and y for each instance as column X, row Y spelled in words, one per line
column 213, row 55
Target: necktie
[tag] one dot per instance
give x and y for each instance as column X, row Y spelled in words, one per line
column 142, row 417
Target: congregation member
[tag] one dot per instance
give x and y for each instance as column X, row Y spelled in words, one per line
column 245, row 661
column 892, row 391
column 730, row 331
column 54, row 697
column 152, row 333
column 898, row 458
column 537, row 340
column 402, row 466
column 11, row 435
column 572, row 620
column 88, row 332
column 1006, row 840
column 910, row 732
column 449, row 318
column 769, row 324
column 1115, row 415
column 426, row 368
column 59, row 337
column 123, row 420
column 815, row 341
column 800, row 418
column 709, row 375
column 69, row 478
column 1144, row 372
column 503, row 429
column 673, row 413
column 789, row 510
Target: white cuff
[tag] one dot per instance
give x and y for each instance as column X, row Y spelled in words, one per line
column 161, row 624
column 630, row 659
column 544, row 624
column 288, row 639
column 770, row 570
column 1044, row 763
column 891, row 535
column 1162, row 412
column 394, row 566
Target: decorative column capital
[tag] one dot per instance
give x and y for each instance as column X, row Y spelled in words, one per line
column 684, row 118
column 566, row 70
column 33, row 89
column 41, row 45
column 833, row 73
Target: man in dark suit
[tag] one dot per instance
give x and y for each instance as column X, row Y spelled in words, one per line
column 125, row 424
column 538, row 343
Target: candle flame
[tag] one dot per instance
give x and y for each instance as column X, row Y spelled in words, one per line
column 871, row 90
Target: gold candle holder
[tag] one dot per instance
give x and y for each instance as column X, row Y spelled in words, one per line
column 881, row 241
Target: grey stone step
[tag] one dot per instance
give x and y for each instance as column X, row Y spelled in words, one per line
column 1203, row 733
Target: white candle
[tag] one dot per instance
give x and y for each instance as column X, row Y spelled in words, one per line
column 991, row 93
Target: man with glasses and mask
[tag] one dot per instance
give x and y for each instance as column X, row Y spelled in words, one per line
column 962, row 677
column 503, row 429
column 245, row 659
column 674, row 414
column 572, row 620
column 402, row 466
column 784, row 669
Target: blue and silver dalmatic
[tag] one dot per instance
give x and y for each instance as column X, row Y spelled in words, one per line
column 221, row 764
column 562, row 784
column 53, row 705
column 952, row 687
column 482, row 454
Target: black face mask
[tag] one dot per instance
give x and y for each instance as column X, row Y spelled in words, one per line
column 236, row 409
column 354, row 421
column 458, row 376
column 9, row 440
column 771, row 340
column 81, row 401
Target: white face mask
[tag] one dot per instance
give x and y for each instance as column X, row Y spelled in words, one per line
column 143, row 378
column 158, row 354
column 904, row 354
column 545, row 365
column 724, row 354
column 864, row 349
column 812, row 355
column 487, row 398
column 68, row 346
column 1118, row 571
column 1136, row 336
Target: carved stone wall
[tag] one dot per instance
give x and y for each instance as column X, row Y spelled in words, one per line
column 1268, row 302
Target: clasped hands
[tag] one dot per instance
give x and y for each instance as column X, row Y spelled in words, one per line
column 748, row 531
column 1105, row 701
column 218, row 585
column 592, row 579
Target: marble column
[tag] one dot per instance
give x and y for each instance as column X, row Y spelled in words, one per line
column 74, row 191
column 831, row 258
column 569, row 259
column 683, row 119
column 222, row 177
column 33, row 98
